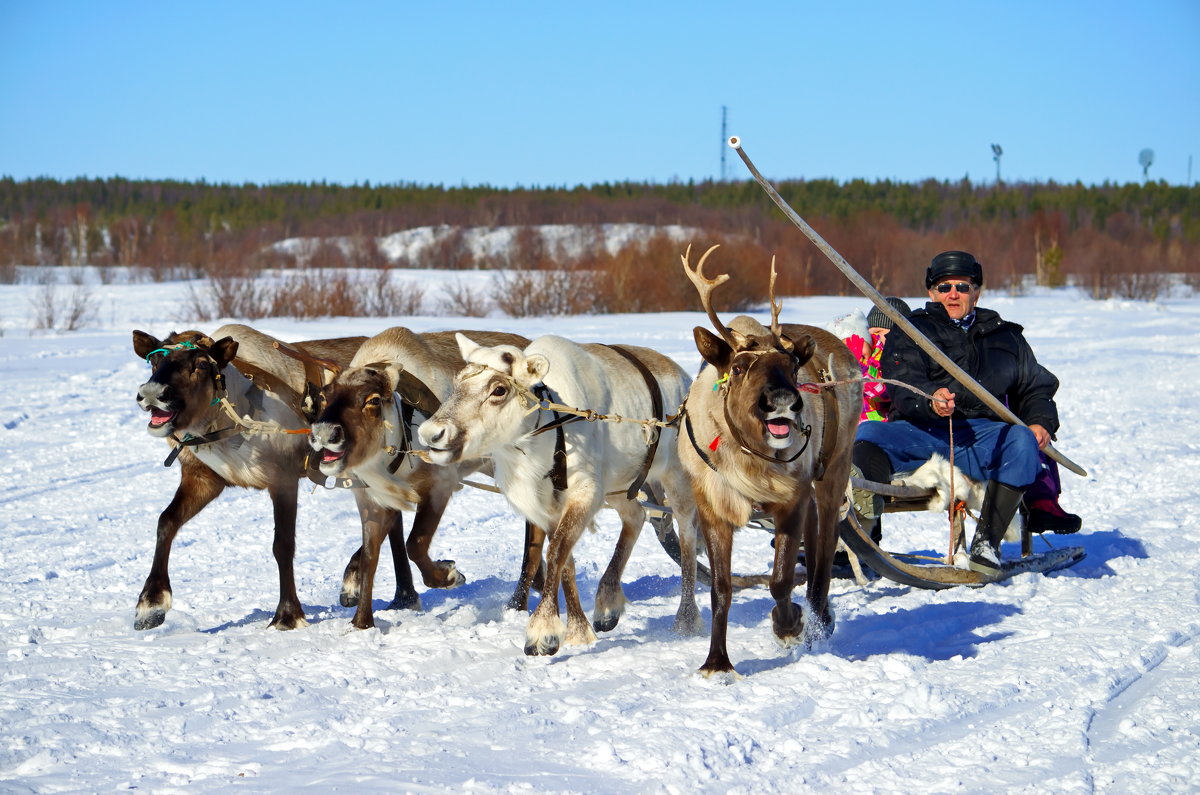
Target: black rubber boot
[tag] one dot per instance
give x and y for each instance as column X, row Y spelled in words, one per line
column 870, row 462
column 1000, row 503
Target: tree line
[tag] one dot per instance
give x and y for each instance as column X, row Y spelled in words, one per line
column 1113, row 239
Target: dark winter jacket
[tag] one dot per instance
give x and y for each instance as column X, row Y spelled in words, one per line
column 993, row 352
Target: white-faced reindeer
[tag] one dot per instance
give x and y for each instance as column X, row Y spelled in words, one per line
column 760, row 431
column 193, row 374
column 558, row 474
column 364, row 430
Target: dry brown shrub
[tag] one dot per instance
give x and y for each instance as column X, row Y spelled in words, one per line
column 648, row 276
column 545, row 293
column 448, row 252
column 463, row 300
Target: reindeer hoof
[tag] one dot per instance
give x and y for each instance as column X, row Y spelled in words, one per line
column 606, row 623
column 788, row 624
column 287, row 623
column 546, row 647
column 720, row 675
column 443, row 575
column 150, row 620
column 407, row 601
column 347, row 599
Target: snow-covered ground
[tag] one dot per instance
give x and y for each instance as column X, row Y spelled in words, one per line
column 1083, row 680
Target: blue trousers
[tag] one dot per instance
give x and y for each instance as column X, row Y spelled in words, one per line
column 983, row 449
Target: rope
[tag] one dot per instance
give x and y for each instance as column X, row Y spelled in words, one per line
column 251, row 426
column 949, row 423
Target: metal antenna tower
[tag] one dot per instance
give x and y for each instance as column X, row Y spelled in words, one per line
column 996, row 152
column 724, row 148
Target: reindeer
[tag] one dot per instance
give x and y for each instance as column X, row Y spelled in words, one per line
column 560, row 478
column 754, row 436
column 194, row 379
column 364, row 431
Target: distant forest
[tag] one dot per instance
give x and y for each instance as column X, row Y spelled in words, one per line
column 1112, row 239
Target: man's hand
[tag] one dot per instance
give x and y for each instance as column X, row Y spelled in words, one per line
column 1042, row 435
column 943, row 403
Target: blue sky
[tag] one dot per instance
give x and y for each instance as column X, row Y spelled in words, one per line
column 540, row 94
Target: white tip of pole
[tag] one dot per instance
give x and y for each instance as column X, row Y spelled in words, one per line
column 735, row 142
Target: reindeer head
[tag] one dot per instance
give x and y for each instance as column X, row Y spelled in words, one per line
column 352, row 418
column 757, row 367
column 489, row 405
column 186, row 380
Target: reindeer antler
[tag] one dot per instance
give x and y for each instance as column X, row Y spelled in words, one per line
column 705, row 286
column 776, row 308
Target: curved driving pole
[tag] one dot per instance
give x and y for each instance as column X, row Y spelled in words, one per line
column 901, row 322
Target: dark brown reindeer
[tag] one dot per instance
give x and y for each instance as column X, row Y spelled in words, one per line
column 761, row 433
column 266, row 389
column 364, row 430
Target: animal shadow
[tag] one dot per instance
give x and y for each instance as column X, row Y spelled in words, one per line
column 937, row 631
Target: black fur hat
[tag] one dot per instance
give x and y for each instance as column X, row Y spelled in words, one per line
column 953, row 263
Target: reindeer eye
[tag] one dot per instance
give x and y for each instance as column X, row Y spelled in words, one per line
column 737, row 369
column 500, row 391
column 374, row 401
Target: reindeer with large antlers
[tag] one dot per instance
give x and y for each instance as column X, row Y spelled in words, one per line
column 765, row 428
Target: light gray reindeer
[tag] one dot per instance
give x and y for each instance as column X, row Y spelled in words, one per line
column 207, row 396
column 559, row 474
column 761, row 431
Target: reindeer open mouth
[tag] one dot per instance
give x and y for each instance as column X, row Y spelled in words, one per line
column 161, row 417
column 779, row 427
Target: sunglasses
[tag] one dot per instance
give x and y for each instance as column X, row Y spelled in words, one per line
column 961, row 287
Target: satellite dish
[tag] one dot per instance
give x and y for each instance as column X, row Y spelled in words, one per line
column 1145, row 160
column 996, row 150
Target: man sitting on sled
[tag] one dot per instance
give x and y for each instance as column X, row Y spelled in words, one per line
column 987, row 449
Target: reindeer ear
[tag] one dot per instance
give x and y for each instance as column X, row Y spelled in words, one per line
column 143, row 343
column 392, row 374
column 535, row 369
column 713, row 349
column 223, row 350
column 802, row 348
column 465, row 345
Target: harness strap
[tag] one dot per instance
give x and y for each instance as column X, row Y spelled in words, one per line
column 687, row 424
column 656, row 403
column 194, row 441
column 558, row 467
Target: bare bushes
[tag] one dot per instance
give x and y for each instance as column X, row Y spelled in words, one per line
column 647, row 276
column 305, row 295
column 546, row 293
column 62, row 307
column 464, row 300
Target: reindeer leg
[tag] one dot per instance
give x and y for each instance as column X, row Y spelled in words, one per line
column 820, row 534
column 579, row 631
column 349, row 593
column 406, row 597
column 288, row 614
column 436, row 574
column 610, row 597
column 531, row 567
column 787, row 619
column 683, row 509
column 718, row 538
column 198, row 486
column 545, row 631
column 375, row 526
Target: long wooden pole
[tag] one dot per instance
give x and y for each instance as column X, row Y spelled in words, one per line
column 898, row 319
